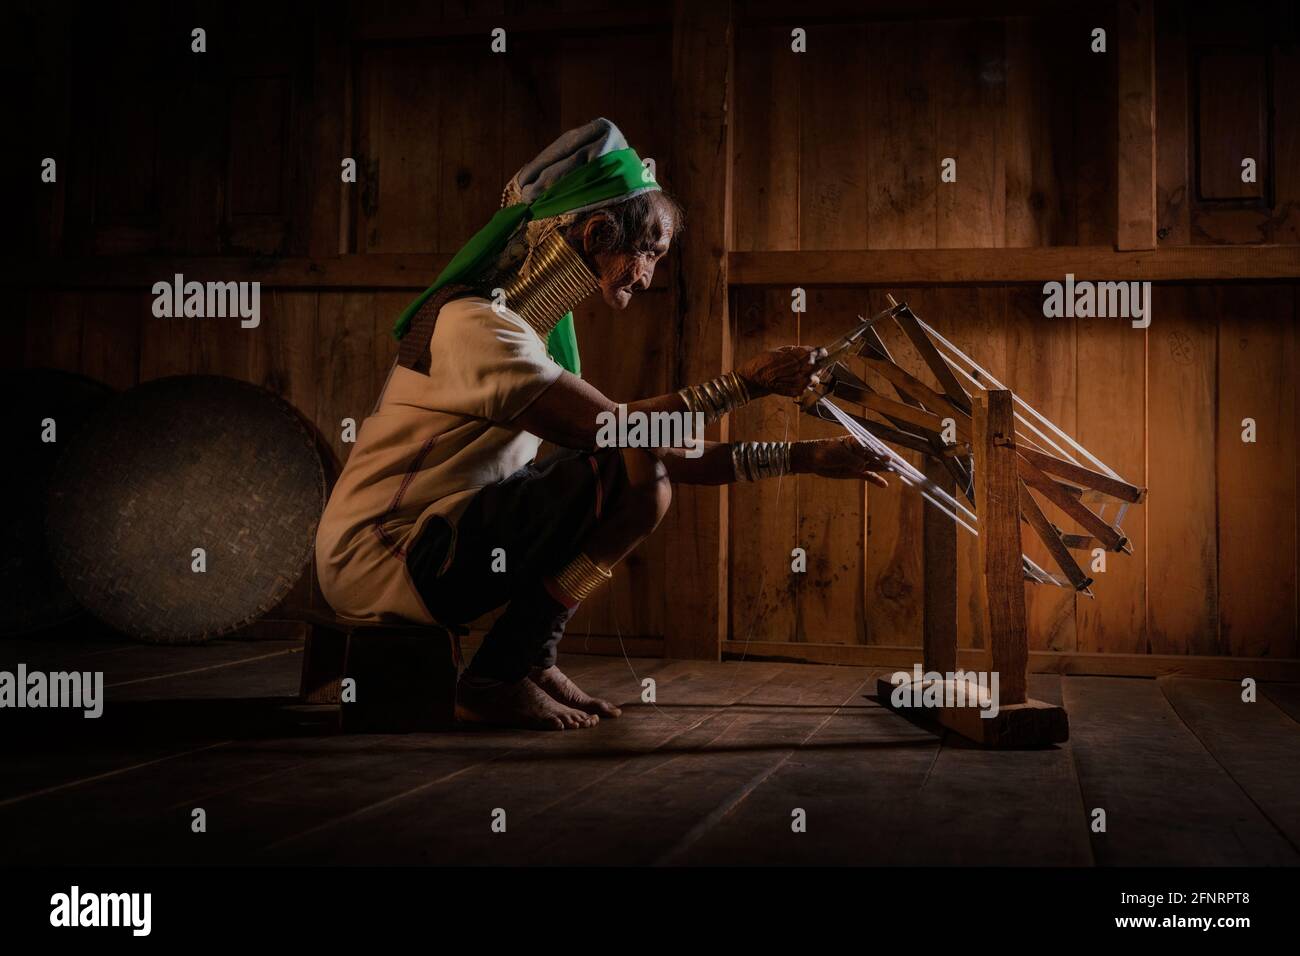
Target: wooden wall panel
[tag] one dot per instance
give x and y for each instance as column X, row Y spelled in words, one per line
column 1111, row 388
column 258, row 213
column 1095, row 379
column 968, row 72
column 284, row 358
column 397, row 114
column 1182, row 533
column 424, row 144
column 1257, row 482
column 701, row 102
column 902, row 168
column 110, row 336
column 531, row 103
column 259, row 109
column 893, row 567
column 1040, row 367
column 1232, row 124
column 595, row 81
column 836, row 148
column 1284, row 221
column 830, row 512
column 347, row 382
column 1022, row 104
column 1087, row 88
column 53, row 331
column 975, row 320
column 765, row 524
column 1173, row 215
column 133, row 169
column 1033, row 208
column 1135, row 192
column 469, row 168
column 94, row 334
column 626, row 356
column 833, row 138
column 1241, row 69
column 167, row 346
column 765, row 191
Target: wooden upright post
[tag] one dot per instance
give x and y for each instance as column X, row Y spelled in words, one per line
column 997, row 502
column 1135, row 188
column 696, row 614
column 1010, row 718
column 939, row 533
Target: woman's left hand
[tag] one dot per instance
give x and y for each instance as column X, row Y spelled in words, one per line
column 839, row 458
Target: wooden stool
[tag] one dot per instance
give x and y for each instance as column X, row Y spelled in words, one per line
column 403, row 676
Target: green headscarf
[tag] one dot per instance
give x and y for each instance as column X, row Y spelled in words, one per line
column 616, row 175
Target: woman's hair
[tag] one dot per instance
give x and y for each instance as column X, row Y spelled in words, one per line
column 631, row 225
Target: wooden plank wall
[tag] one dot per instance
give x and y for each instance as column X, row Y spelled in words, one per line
column 437, row 123
column 840, row 148
column 836, row 148
column 1225, row 92
column 1214, row 564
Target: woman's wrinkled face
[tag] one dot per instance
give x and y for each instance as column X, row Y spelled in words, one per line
column 627, row 271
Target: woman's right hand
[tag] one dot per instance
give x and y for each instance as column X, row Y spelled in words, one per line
column 789, row 370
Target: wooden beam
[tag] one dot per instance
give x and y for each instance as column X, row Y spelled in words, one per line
column 1135, row 222
column 911, row 387
column 1040, row 662
column 370, row 271
column 860, row 11
column 902, row 267
column 901, row 438
column 997, row 495
column 406, row 23
column 939, row 368
column 324, row 135
column 380, row 271
column 916, row 393
column 696, row 618
column 939, row 556
column 866, row 267
column 1078, row 475
column 1051, row 538
column 1112, row 539
column 900, row 412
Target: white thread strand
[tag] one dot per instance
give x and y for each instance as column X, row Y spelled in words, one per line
column 929, row 490
column 1097, row 462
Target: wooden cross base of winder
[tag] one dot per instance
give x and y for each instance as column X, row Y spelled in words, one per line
column 1019, row 721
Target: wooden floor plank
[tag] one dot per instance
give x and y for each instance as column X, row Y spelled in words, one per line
column 655, row 800
column 880, row 790
column 123, row 664
column 853, row 778
column 997, row 807
column 1167, row 800
column 709, row 773
column 381, row 769
column 1257, row 743
column 449, row 821
column 276, row 779
column 262, row 675
column 66, row 652
column 57, row 748
column 1285, row 696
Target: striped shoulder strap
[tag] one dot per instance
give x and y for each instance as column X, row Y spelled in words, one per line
column 413, row 349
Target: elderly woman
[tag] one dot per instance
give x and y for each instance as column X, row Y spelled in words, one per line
column 442, row 514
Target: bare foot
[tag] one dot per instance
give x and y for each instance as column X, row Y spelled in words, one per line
column 521, row 704
column 557, row 684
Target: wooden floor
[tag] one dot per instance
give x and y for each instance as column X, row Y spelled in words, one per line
column 1185, row 772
